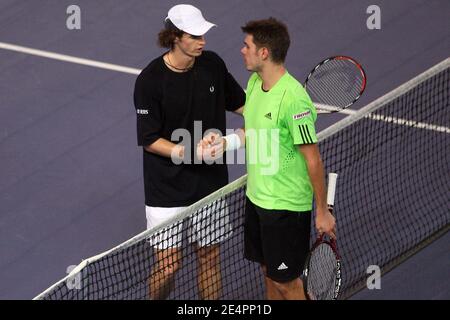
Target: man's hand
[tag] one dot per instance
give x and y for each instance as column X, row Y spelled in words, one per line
column 211, row 147
column 325, row 223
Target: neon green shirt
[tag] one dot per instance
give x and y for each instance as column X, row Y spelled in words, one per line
column 276, row 122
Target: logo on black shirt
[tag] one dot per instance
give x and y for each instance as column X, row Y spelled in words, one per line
column 211, row 89
column 142, row 111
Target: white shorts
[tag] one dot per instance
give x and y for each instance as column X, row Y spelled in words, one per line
column 208, row 227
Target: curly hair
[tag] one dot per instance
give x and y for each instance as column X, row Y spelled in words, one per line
column 167, row 36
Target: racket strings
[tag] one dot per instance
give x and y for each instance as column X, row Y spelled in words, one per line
column 321, row 281
column 336, row 83
column 334, row 89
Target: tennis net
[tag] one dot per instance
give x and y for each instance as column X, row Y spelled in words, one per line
column 392, row 198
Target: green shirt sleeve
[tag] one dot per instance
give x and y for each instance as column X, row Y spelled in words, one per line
column 300, row 117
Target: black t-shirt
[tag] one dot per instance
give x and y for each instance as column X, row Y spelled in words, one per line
column 166, row 101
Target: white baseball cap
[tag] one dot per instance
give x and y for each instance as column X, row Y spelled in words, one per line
column 189, row 19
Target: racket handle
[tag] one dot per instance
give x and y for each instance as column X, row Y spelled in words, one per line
column 332, row 177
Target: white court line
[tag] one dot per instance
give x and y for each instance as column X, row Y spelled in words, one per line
column 325, row 108
column 72, row 59
column 409, row 123
column 118, row 68
column 393, row 120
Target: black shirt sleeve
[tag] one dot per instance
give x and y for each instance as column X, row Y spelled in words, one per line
column 234, row 94
column 148, row 111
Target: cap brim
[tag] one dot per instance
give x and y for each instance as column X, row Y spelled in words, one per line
column 201, row 29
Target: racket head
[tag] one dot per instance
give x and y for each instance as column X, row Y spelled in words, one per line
column 322, row 271
column 335, row 84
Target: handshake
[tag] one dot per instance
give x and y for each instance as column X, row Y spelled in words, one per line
column 213, row 145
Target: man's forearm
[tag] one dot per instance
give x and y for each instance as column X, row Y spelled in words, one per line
column 325, row 222
column 317, row 177
column 239, row 111
column 316, row 174
column 166, row 148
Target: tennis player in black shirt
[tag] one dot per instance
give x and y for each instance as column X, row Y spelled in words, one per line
column 184, row 90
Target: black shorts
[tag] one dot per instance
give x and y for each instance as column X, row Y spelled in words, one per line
column 277, row 239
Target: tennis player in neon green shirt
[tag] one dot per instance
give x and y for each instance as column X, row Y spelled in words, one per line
column 283, row 163
column 284, row 166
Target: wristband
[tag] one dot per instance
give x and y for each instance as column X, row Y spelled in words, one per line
column 233, row 142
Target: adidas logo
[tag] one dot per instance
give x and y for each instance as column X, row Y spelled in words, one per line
column 282, row 266
column 269, row 116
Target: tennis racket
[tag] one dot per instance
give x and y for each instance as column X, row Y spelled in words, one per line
column 335, row 84
column 322, row 271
